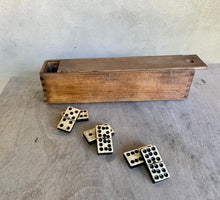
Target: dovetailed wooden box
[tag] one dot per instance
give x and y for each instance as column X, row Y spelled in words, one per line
column 119, row 79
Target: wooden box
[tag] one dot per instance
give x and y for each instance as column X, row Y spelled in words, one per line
column 119, row 79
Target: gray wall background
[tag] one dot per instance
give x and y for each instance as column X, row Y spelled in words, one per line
column 32, row 31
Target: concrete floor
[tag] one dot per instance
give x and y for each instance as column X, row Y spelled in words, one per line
column 37, row 161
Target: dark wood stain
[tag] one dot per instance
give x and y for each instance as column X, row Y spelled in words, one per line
column 143, row 78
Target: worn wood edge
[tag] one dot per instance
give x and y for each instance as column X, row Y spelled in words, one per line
column 44, row 86
column 65, row 102
column 134, row 70
column 199, row 60
column 188, row 87
column 194, row 56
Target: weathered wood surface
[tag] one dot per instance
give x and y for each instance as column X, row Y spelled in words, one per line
column 139, row 63
column 37, row 161
column 113, row 87
column 140, row 78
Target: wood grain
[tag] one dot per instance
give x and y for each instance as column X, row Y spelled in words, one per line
column 120, row 86
column 65, row 167
column 119, row 79
column 140, row 63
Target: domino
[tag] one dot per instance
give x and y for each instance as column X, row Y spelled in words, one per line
column 158, row 172
column 104, row 139
column 154, row 163
column 151, row 154
column 83, row 115
column 66, row 124
column 69, row 118
column 90, row 135
column 72, row 113
column 134, row 157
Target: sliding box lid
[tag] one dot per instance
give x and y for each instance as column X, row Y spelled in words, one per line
column 142, row 63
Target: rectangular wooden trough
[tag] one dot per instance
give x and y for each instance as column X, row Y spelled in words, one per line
column 141, row 78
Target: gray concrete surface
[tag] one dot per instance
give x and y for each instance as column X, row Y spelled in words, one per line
column 37, row 161
column 33, row 31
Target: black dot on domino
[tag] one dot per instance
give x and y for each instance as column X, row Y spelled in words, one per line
column 132, row 161
column 106, row 148
column 73, row 117
column 128, row 154
column 153, row 171
column 136, row 160
column 99, row 127
column 99, row 131
column 100, row 139
column 81, row 115
column 66, row 115
column 148, row 149
column 76, row 111
column 61, row 125
column 103, row 128
column 150, row 153
column 107, row 136
column 149, row 161
column 153, row 148
column 64, row 119
column 136, row 151
column 156, row 166
column 90, row 134
column 107, row 132
column 67, row 127
column 146, row 156
column 155, row 153
column 100, row 135
column 151, row 166
column 158, row 171
column 158, row 158
column 140, row 158
column 109, row 145
column 108, row 141
column 153, row 159
column 71, row 113
column 165, row 174
column 156, row 177
column 84, row 111
column 104, row 140
column 132, row 153
column 144, row 151
column 70, row 122
column 163, row 169
column 161, row 175
column 101, row 149
column 100, row 144
column 109, row 148
column 104, row 135
column 161, row 164
column 70, row 108
column 85, row 115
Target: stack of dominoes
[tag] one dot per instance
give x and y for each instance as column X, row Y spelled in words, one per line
column 150, row 156
column 70, row 117
column 102, row 135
